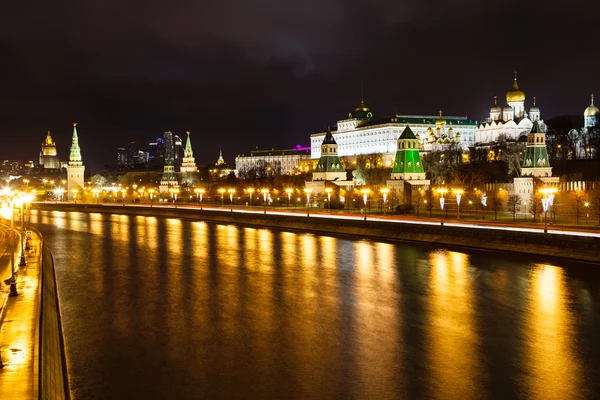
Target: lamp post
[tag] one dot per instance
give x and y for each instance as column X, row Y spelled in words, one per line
column 199, row 193
column 96, row 194
column 547, row 201
column 21, row 203
column 442, row 192
column 250, row 193
column 365, row 193
column 123, row 191
column 458, row 193
column 222, row 191
column 231, row 192
column 587, row 212
column 174, row 193
column 75, row 195
column 151, row 191
column 265, row 192
column 385, row 192
column 308, row 191
column 13, row 279
column 289, row 192
column 328, row 191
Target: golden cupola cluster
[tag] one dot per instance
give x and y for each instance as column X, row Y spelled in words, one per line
column 515, row 94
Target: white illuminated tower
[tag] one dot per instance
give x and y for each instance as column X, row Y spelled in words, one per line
column 189, row 163
column 75, row 169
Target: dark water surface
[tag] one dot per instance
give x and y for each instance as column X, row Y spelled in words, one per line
column 158, row 308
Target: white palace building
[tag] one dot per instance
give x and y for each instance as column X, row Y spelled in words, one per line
column 512, row 121
column 362, row 132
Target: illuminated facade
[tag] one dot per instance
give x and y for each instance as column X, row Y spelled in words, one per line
column 189, row 163
column 75, row 169
column 511, row 121
column 287, row 161
column 48, row 155
column 362, row 132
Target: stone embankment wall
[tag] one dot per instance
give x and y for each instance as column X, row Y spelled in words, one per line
column 552, row 245
column 52, row 363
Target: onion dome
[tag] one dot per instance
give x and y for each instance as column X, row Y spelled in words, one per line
column 534, row 109
column 496, row 108
column 515, row 94
column 457, row 135
column 418, row 136
column 440, row 121
column 592, row 110
column 508, row 108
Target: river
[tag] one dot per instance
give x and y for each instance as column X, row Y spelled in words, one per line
column 159, row 308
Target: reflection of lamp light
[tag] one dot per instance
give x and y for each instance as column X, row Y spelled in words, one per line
column 328, row 191
column 151, row 191
column 385, row 192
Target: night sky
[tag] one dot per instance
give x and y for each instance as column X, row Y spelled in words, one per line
column 242, row 74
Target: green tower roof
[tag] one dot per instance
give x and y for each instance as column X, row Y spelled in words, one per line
column 75, row 154
column 329, row 137
column 536, row 127
column 407, row 133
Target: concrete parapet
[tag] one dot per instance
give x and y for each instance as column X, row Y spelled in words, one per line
column 581, row 248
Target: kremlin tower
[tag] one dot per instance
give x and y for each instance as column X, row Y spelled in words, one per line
column 189, row 163
column 75, row 169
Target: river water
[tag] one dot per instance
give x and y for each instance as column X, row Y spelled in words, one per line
column 159, row 308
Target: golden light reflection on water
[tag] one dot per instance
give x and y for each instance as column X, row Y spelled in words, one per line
column 378, row 316
column 453, row 341
column 120, row 225
column 552, row 363
column 96, row 224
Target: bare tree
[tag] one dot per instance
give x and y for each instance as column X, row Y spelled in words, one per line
column 496, row 204
column 514, row 204
column 577, row 199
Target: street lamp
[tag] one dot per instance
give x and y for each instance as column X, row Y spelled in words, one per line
column 587, row 211
column 96, row 194
column 250, row 192
column 174, row 193
column 199, row 193
column 328, row 190
column 308, row 191
column 231, row 192
column 123, row 191
column 458, row 193
column 21, row 203
column 547, row 201
column 12, row 281
column 151, row 191
column 289, row 192
column 265, row 192
column 442, row 192
column 74, row 195
column 385, row 192
column 365, row 193
column 222, row 191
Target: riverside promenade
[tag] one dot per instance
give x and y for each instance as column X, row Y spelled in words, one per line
column 19, row 322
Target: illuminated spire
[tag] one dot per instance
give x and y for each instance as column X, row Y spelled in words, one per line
column 188, row 146
column 188, row 163
column 592, row 103
column 534, row 101
column 49, row 141
column 75, row 155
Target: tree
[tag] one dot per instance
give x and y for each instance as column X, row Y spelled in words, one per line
column 511, row 152
column 496, row 204
column 429, row 197
column 514, row 204
column 98, row 180
column 577, row 199
column 535, row 204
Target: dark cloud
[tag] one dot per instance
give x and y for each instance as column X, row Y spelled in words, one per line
column 268, row 73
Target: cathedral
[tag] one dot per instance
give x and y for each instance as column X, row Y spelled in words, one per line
column 512, row 120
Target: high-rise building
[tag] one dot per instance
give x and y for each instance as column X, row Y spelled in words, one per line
column 75, row 169
column 48, row 155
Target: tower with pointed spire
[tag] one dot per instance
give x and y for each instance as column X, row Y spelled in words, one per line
column 536, row 162
column 329, row 167
column 408, row 164
column 189, row 163
column 48, row 156
column 75, row 168
column 221, row 160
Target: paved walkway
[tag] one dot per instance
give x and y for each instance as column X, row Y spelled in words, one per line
column 19, row 323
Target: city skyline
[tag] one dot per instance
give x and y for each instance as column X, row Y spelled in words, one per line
column 271, row 76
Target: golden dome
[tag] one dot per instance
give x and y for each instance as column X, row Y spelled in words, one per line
column 592, row 110
column 440, row 121
column 515, row 94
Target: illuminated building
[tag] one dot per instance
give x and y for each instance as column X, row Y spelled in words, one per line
column 287, row 162
column 363, row 132
column 591, row 114
column 75, row 169
column 407, row 172
column 329, row 167
column 512, row 121
column 189, row 163
column 169, row 177
column 221, row 160
column 48, row 155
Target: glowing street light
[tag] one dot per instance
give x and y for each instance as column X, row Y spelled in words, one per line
column 174, row 192
column 328, row 190
column 151, row 191
column 250, row 192
column 222, row 191
column 308, row 191
column 199, row 193
column 587, row 211
column 458, row 193
column 289, row 192
column 265, row 193
column 547, row 202
column 96, row 194
column 365, row 193
column 442, row 192
column 385, row 192
column 231, row 192
column 74, row 195
column 123, row 191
